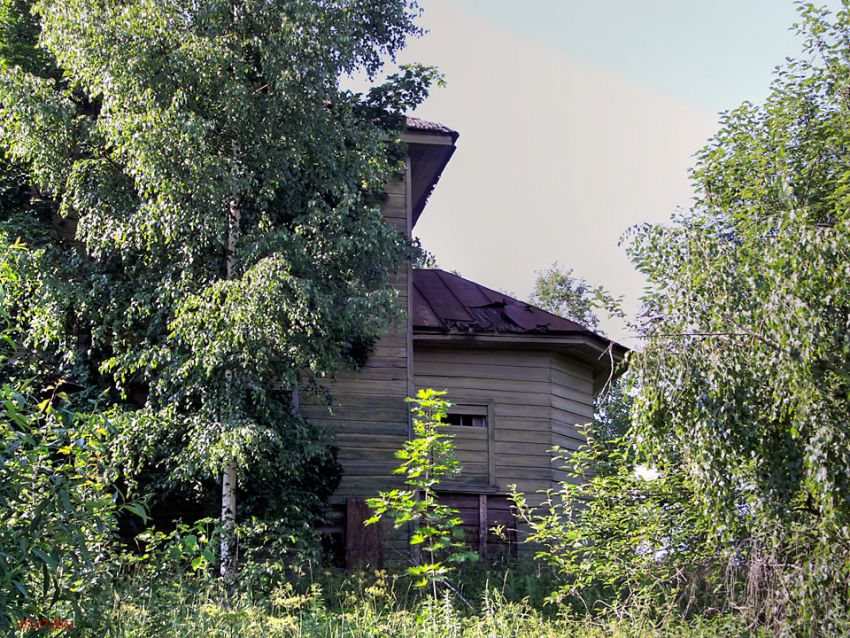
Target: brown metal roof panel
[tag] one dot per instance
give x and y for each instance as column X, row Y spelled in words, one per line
column 494, row 296
column 423, row 314
column 439, row 297
column 491, row 318
column 564, row 325
column 466, row 292
column 462, row 305
column 526, row 318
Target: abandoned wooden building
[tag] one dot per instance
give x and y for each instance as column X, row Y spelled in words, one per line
column 522, row 381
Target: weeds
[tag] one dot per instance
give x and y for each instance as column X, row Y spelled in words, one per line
column 375, row 605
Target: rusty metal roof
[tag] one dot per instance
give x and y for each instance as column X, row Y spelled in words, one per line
column 447, row 303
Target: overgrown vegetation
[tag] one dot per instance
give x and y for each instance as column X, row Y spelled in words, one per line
column 378, row 607
column 743, row 379
column 428, row 459
column 201, row 201
column 730, row 489
column 190, row 233
column 59, row 513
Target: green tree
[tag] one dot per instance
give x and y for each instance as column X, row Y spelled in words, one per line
column 561, row 292
column 620, row 536
column 427, row 460
column 744, row 373
column 211, row 237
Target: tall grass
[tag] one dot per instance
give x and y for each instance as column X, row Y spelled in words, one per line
column 377, row 607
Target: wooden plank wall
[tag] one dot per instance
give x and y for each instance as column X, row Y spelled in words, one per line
column 472, row 447
column 572, row 404
column 369, row 417
column 499, row 515
column 519, row 383
column 538, row 398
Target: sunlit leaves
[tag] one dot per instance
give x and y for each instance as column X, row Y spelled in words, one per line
column 135, row 129
column 616, row 534
column 165, row 115
column 57, row 495
column 427, row 460
column 744, row 376
column 38, row 126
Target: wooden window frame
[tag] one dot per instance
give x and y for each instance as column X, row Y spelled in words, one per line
column 476, row 407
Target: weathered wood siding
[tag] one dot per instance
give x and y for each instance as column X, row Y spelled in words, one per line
column 538, row 399
column 368, row 416
column 572, row 404
column 472, row 446
column 479, row 520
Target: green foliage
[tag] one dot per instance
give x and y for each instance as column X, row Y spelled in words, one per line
column 376, row 610
column 427, row 459
column 185, row 548
column 135, row 133
column 58, row 498
column 19, row 31
column 743, row 380
column 426, row 258
column 560, row 292
column 623, row 537
column 59, row 510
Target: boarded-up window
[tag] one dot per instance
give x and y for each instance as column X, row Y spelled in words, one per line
column 471, row 425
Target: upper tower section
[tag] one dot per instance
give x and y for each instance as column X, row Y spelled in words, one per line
column 430, row 145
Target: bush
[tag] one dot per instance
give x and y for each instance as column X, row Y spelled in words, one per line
column 57, row 496
column 628, row 536
column 427, row 459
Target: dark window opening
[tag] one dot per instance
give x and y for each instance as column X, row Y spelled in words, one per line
column 471, row 420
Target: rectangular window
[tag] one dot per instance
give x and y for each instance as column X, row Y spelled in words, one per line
column 472, row 424
column 471, row 420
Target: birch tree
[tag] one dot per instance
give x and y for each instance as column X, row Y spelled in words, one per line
column 210, row 237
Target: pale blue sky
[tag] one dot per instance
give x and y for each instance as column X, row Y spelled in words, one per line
column 577, row 120
column 714, row 53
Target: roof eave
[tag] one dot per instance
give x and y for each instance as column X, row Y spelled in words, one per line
column 543, row 339
column 429, row 152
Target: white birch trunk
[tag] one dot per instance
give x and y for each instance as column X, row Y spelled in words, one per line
column 228, row 479
column 228, row 525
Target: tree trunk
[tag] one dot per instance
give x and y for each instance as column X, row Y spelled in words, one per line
column 228, row 479
column 228, row 525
